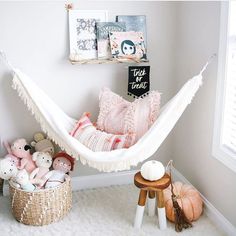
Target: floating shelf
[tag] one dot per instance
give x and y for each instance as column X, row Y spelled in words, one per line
column 108, row 61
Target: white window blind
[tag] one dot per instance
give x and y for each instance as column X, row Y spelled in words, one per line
column 224, row 136
column 229, row 115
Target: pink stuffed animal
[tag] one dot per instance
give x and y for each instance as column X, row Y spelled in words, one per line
column 21, row 149
column 14, row 158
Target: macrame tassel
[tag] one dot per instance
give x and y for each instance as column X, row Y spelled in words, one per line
column 181, row 221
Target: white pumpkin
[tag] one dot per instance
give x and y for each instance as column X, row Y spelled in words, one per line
column 152, row 170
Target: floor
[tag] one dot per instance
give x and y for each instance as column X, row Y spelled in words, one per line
column 105, row 211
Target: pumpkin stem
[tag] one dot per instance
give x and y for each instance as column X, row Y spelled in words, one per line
column 181, row 221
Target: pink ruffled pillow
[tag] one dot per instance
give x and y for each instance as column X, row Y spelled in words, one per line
column 97, row 140
column 118, row 116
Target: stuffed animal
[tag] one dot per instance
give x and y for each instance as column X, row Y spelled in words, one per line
column 18, row 148
column 15, row 159
column 43, row 162
column 11, row 155
column 8, row 169
column 62, row 165
column 21, row 149
column 22, row 179
column 42, row 144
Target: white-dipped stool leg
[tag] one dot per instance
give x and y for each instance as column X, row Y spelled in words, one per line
column 151, row 203
column 162, row 218
column 161, row 210
column 139, row 216
column 140, row 208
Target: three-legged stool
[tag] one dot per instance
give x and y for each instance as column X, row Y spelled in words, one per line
column 153, row 189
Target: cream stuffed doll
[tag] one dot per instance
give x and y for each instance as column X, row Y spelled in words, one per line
column 22, row 179
column 43, row 162
column 62, row 165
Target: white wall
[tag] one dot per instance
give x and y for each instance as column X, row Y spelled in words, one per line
column 34, row 35
column 198, row 36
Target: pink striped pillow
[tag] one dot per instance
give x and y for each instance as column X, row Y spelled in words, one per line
column 118, row 116
column 97, row 140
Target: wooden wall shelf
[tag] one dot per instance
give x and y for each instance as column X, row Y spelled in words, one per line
column 108, row 61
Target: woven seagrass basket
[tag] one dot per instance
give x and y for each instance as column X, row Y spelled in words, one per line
column 41, row 207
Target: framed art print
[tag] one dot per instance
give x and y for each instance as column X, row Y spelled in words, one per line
column 135, row 23
column 128, row 45
column 103, row 42
column 83, row 37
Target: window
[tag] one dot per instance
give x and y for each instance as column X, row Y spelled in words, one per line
column 224, row 141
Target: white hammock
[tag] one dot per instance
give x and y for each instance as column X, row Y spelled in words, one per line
column 57, row 125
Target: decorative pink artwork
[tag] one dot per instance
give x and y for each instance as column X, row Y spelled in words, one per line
column 129, row 45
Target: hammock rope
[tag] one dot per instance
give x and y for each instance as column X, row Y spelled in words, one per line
column 57, row 125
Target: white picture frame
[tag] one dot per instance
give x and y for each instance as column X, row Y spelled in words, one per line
column 83, row 43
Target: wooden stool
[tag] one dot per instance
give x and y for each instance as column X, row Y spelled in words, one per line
column 153, row 188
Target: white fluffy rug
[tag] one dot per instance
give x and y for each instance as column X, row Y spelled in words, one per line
column 105, row 211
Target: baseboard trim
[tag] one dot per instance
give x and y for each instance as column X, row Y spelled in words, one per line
column 103, row 180
column 219, row 220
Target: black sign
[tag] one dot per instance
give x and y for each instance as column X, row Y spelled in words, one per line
column 138, row 83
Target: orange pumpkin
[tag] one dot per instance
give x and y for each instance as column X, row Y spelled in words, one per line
column 188, row 199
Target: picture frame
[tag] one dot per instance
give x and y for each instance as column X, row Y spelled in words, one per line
column 135, row 23
column 82, row 33
column 103, row 40
column 128, row 45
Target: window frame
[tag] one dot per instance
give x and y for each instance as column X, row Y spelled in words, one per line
column 219, row 151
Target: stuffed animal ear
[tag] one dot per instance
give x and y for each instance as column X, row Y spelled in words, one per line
column 7, row 146
column 39, row 136
column 48, row 153
column 33, row 143
column 34, row 156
